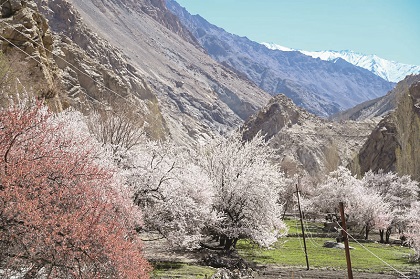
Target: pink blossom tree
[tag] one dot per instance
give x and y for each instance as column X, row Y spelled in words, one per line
column 62, row 214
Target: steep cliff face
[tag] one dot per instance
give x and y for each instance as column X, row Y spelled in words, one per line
column 306, row 143
column 137, row 54
column 395, row 143
column 21, row 26
column 408, row 130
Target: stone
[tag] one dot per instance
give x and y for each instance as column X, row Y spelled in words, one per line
column 331, row 244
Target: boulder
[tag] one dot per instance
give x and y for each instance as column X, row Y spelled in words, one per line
column 332, row 244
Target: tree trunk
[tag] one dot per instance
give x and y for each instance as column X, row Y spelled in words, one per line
column 285, row 209
column 234, row 242
column 222, row 240
column 388, row 234
column 381, row 234
column 367, row 232
column 229, row 243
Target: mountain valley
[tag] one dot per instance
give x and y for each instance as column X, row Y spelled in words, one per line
column 137, row 54
column 189, row 85
column 321, row 87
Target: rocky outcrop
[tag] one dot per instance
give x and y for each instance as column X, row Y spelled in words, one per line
column 305, row 143
column 378, row 153
column 27, row 41
column 95, row 74
column 157, row 9
column 395, row 144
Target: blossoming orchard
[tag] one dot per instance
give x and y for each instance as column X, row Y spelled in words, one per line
column 75, row 191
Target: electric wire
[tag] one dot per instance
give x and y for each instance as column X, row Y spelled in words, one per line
column 33, row 58
column 297, row 233
column 5, row 1
column 308, row 232
column 376, row 256
column 68, row 63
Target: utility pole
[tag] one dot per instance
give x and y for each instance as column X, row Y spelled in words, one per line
column 303, row 230
column 346, row 240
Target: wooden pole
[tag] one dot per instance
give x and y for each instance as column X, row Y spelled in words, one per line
column 303, row 230
column 346, row 240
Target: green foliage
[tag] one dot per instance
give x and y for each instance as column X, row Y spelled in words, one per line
column 181, row 270
column 289, row 252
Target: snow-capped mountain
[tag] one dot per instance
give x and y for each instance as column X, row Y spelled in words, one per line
column 321, row 87
column 389, row 70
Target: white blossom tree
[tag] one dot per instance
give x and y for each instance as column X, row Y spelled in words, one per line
column 246, row 186
column 174, row 194
column 363, row 206
column 398, row 192
column 413, row 228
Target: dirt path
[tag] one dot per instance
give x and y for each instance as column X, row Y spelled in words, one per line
column 272, row 272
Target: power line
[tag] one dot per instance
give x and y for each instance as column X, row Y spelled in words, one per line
column 311, row 238
column 300, row 241
column 399, row 272
column 68, row 63
column 33, row 58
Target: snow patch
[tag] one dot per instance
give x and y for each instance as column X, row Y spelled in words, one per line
column 389, row 70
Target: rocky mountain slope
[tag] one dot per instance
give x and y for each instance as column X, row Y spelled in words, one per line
column 380, row 107
column 306, row 143
column 321, row 87
column 21, row 26
column 136, row 56
column 115, row 55
column 388, row 70
column 394, row 145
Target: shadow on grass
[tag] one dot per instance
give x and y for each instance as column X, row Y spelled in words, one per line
column 167, row 265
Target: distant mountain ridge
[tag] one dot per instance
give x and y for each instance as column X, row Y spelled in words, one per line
column 321, row 87
column 389, row 70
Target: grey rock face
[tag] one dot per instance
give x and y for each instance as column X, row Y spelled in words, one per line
column 394, row 144
column 379, row 107
column 306, row 143
column 27, row 42
column 321, row 87
column 141, row 51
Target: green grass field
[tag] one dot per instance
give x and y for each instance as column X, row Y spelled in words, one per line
column 288, row 251
column 181, row 270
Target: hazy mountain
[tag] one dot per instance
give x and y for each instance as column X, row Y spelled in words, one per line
column 380, row 107
column 321, row 87
column 389, row 70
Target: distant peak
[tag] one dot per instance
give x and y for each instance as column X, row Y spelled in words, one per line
column 274, row 46
column 389, row 70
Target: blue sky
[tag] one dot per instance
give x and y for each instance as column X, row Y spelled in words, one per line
column 387, row 28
